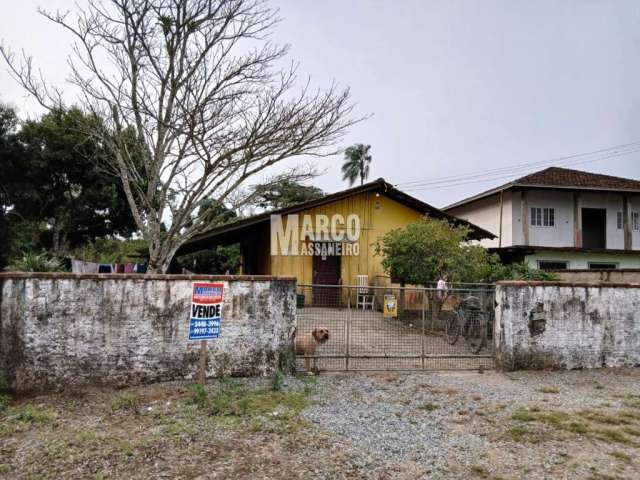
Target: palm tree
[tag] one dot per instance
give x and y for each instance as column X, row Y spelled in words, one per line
column 356, row 163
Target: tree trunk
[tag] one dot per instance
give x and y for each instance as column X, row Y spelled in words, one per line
column 159, row 258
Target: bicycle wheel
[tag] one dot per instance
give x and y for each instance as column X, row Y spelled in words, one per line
column 476, row 332
column 452, row 327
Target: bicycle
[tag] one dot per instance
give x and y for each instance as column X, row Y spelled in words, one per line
column 470, row 321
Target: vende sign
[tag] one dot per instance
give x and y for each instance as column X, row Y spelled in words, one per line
column 206, row 310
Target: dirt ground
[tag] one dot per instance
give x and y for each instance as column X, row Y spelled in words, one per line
column 546, row 425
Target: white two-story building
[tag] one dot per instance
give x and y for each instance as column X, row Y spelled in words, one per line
column 560, row 219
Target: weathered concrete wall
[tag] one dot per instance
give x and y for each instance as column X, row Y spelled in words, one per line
column 58, row 330
column 560, row 325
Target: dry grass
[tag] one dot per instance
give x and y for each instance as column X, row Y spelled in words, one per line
column 134, row 435
column 609, row 427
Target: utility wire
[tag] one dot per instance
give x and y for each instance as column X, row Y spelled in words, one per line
column 497, row 173
column 470, row 180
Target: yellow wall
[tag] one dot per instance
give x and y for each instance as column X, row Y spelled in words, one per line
column 377, row 215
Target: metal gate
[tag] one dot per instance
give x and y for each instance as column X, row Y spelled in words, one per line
column 420, row 329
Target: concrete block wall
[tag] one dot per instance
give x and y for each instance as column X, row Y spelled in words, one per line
column 567, row 325
column 59, row 330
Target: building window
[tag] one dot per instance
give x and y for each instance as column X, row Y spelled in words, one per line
column 635, row 220
column 543, row 217
column 602, row 266
column 552, row 265
column 619, row 221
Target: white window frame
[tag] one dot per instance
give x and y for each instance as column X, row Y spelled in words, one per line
column 619, row 220
column 542, row 217
column 635, row 221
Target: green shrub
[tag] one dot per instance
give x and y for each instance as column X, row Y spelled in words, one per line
column 519, row 271
column 36, row 262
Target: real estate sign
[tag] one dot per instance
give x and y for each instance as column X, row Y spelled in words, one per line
column 206, row 311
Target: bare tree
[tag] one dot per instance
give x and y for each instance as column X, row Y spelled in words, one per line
column 193, row 103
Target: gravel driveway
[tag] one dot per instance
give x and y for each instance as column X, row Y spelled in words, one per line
column 467, row 425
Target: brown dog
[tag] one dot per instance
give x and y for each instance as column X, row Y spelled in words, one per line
column 307, row 344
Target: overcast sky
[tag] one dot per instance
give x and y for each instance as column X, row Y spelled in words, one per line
column 455, row 87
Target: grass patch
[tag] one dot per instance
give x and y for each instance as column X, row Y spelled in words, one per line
column 623, row 457
column 549, row 390
column 429, row 406
column 25, row 416
column 277, row 380
column 480, row 471
column 610, row 435
column 259, row 410
column 524, row 415
column 199, row 395
column 521, row 434
column 126, row 402
column 606, row 419
column 233, row 405
column 633, row 431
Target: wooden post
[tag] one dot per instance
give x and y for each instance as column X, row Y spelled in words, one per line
column 577, row 221
column 202, row 371
column 348, row 325
column 625, row 222
column 524, row 215
column 424, row 318
column 500, row 226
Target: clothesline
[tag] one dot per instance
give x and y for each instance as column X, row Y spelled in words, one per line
column 80, row 266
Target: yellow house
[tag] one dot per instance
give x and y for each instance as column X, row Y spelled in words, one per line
column 378, row 207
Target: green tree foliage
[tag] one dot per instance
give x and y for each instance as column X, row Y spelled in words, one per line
column 9, row 153
column 111, row 250
column 356, row 163
column 423, row 251
column 285, row 193
column 221, row 259
column 52, row 187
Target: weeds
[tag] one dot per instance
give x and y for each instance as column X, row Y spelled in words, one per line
column 277, row 380
column 126, row 402
column 199, row 395
column 4, row 401
column 610, row 435
column 549, row 390
column 480, row 471
column 522, row 434
column 593, row 424
column 23, row 417
column 524, row 415
column 429, row 406
column 623, row 457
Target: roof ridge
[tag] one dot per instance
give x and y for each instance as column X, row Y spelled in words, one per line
column 554, row 176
